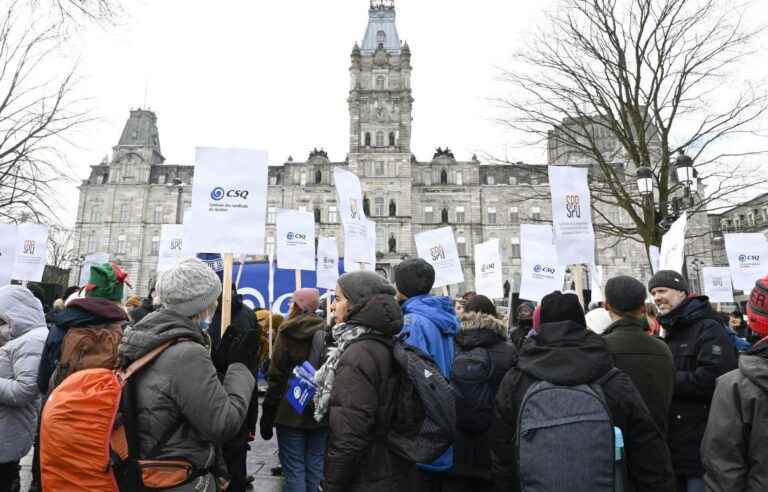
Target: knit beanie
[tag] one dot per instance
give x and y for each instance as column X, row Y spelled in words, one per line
column 308, row 300
column 414, row 277
column 106, row 281
column 625, row 293
column 669, row 279
column 358, row 287
column 561, row 307
column 189, row 287
column 757, row 308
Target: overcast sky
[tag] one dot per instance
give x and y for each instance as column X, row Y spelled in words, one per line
column 275, row 74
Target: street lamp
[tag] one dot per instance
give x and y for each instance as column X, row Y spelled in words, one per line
column 645, row 181
column 179, row 185
column 684, row 169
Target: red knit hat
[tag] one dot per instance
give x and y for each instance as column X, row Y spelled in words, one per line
column 757, row 308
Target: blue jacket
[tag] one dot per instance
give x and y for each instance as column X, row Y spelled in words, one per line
column 431, row 325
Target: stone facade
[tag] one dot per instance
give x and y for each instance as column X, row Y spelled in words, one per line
column 750, row 216
column 126, row 199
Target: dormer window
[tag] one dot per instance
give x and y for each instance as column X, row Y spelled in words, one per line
column 380, row 82
column 381, row 39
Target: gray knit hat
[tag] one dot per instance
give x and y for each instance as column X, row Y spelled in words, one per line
column 358, row 287
column 189, row 287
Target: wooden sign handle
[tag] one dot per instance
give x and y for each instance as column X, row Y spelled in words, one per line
column 226, row 296
column 298, row 279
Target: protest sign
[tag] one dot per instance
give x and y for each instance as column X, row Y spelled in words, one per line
column 30, row 252
column 327, row 263
column 672, row 254
column 88, row 262
column 717, row 284
column 541, row 272
column 572, row 215
column 349, row 196
column 295, row 240
column 596, row 283
column 7, row 252
column 654, row 254
column 488, row 272
column 350, row 265
column 229, row 201
column 438, row 248
column 747, row 259
column 171, row 246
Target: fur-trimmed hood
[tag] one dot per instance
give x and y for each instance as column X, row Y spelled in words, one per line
column 480, row 329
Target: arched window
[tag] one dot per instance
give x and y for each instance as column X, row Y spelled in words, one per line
column 366, row 206
column 391, row 139
column 318, row 176
column 381, row 39
column 380, row 82
column 392, row 244
column 367, row 139
column 443, row 177
column 317, row 216
column 444, row 216
column 392, row 208
column 379, row 139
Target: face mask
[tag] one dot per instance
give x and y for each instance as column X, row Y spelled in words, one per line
column 204, row 324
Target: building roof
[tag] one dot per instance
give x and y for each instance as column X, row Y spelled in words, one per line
column 141, row 131
column 382, row 28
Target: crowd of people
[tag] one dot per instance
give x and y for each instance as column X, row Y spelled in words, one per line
column 634, row 396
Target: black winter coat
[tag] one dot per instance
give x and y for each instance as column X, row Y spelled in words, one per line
column 358, row 458
column 472, row 452
column 648, row 363
column 565, row 353
column 702, row 352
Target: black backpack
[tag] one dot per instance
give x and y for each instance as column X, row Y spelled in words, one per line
column 472, row 378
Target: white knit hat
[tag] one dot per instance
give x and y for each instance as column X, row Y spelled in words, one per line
column 189, row 287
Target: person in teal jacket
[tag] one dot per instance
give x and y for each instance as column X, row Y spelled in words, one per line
column 430, row 325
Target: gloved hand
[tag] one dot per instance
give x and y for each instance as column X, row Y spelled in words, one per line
column 221, row 355
column 245, row 349
column 265, row 428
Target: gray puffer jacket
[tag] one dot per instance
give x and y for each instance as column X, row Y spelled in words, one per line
column 19, row 359
column 180, row 390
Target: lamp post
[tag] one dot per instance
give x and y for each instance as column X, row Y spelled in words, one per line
column 179, row 185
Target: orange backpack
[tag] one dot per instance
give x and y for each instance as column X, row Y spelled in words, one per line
column 84, row 442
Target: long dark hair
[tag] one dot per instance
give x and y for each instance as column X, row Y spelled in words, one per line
column 481, row 304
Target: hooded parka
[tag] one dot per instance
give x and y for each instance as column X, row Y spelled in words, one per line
column 19, row 361
column 734, row 448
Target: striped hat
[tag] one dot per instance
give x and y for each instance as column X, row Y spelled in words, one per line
column 757, row 308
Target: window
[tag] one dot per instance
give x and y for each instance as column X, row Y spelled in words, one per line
column 270, row 246
column 381, row 38
column 161, row 179
column 318, row 216
column 392, row 208
column 379, row 139
column 379, row 207
column 515, row 243
column 429, row 215
column 444, row 216
column 459, row 178
column 367, row 139
column 512, row 180
column 514, row 215
column 461, row 246
column 490, row 180
column 155, row 246
column 459, row 215
column 378, row 168
column 392, row 139
column 125, row 210
column 443, row 177
column 492, row 215
column 380, row 82
column 92, row 242
column 332, row 215
column 122, row 244
column 96, row 212
column 158, row 218
column 536, row 213
column 303, row 179
column 273, row 180
column 271, row 215
column 318, row 176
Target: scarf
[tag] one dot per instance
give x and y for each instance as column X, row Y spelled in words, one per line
column 344, row 334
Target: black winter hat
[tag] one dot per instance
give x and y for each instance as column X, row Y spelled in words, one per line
column 669, row 279
column 562, row 307
column 414, row 277
column 625, row 293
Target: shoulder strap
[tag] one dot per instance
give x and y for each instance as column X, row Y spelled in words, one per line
column 146, row 359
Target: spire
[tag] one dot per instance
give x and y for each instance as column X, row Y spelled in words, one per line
column 382, row 29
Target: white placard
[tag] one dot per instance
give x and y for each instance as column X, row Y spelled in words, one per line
column 672, row 254
column 596, row 283
column 572, row 215
column 30, row 252
column 7, row 252
column 747, row 259
column 541, row 272
column 352, row 266
column 171, row 246
column 488, row 269
column 717, row 284
column 438, row 248
column 655, row 256
column 88, row 262
column 327, row 262
column 229, row 201
column 350, row 200
column 295, row 240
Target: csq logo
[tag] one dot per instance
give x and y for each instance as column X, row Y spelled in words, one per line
column 297, row 236
column 752, row 259
column 543, row 269
column 219, row 193
column 487, row 267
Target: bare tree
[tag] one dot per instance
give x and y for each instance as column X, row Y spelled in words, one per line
column 646, row 74
column 61, row 247
column 37, row 114
column 80, row 11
